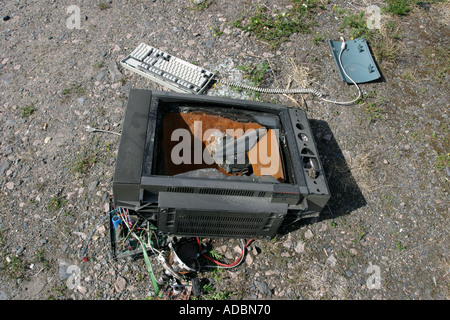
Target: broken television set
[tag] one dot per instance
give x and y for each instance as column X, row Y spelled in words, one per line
column 205, row 166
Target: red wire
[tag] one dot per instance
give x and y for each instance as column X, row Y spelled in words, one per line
column 223, row 264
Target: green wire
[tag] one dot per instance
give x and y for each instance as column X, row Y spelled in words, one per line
column 149, row 266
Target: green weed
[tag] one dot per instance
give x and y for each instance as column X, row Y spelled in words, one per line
column 103, row 6
column 27, row 111
column 399, row 7
column 276, row 28
column 210, row 293
column 199, row 6
column 254, row 73
column 55, row 203
column 13, row 267
column 317, row 39
column 383, row 41
column 373, row 112
column 442, row 161
column 84, row 163
column 99, row 64
column 399, row 245
column 75, row 89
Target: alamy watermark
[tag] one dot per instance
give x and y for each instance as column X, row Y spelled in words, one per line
column 74, row 279
column 74, row 20
column 374, row 17
column 374, row 280
column 229, row 147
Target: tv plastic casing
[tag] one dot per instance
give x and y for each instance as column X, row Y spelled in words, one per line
column 201, row 206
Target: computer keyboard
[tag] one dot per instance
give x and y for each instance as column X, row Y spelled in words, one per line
column 167, row 70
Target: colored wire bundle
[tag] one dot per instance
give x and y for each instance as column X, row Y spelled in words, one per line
column 225, row 265
column 83, row 253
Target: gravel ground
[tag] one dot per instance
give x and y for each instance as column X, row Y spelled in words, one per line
column 384, row 232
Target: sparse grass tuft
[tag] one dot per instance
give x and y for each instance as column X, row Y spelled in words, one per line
column 84, row 163
column 55, row 203
column 210, row 293
column 12, row 267
column 99, row 64
column 276, row 28
column 198, row 5
column 356, row 23
column 399, row 245
column 442, row 161
column 103, row 6
column 254, row 73
column 73, row 89
column 398, row 7
column 27, row 111
column 384, row 41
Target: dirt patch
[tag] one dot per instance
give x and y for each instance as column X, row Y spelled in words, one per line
column 384, row 233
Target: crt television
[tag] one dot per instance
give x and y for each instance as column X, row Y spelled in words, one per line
column 207, row 166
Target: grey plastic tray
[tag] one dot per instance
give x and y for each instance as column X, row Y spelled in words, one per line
column 356, row 60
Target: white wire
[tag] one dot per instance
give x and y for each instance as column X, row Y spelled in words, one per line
column 90, row 129
column 298, row 90
column 271, row 91
column 343, row 69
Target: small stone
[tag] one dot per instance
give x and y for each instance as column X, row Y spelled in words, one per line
column 47, row 139
column 101, row 75
column 4, row 165
column 101, row 229
column 6, row 18
column 120, row 284
column 327, row 137
column 3, row 295
column 300, row 247
column 308, row 234
column 132, row 288
column 188, row 54
column 262, row 287
column 10, row 185
column 81, row 234
column 92, row 186
column 249, row 260
column 82, row 290
column 114, row 72
column 331, row 261
column 7, row 78
column 287, row 244
column 19, row 251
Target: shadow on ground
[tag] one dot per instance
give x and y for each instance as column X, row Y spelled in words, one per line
column 346, row 196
